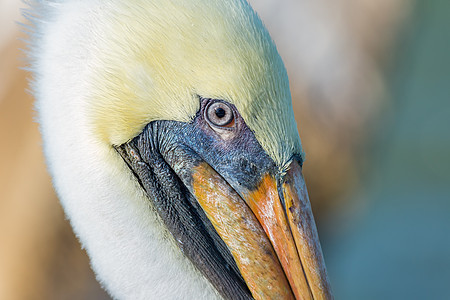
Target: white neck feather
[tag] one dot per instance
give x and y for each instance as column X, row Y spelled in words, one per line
column 132, row 254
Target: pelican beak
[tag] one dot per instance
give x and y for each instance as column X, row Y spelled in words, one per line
column 243, row 221
column 271, row 234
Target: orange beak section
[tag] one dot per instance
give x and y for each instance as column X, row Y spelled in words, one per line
column 303, row 229
column 270, row 231
column 242, row 233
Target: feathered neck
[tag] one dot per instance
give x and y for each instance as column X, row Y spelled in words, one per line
column 131, row 252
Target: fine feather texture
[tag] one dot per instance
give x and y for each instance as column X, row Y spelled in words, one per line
column 102, row 71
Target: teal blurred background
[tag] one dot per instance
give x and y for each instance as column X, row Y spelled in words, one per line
column 399, row 247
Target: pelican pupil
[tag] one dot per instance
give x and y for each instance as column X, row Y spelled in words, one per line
column 220, row 112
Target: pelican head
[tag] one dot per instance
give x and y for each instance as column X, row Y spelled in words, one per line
column 170, row 137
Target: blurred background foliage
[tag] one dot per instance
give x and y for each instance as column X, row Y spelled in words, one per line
column 371, row 91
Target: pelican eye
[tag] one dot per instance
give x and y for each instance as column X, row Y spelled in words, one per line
column 219, row 114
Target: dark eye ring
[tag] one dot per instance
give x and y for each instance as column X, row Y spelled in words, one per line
column 219, row 114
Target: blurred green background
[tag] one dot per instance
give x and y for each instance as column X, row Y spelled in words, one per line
column 400, row 247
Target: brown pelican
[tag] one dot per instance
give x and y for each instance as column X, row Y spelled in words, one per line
column 169, row 133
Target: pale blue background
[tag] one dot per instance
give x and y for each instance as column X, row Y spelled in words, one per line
column 400, row 247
